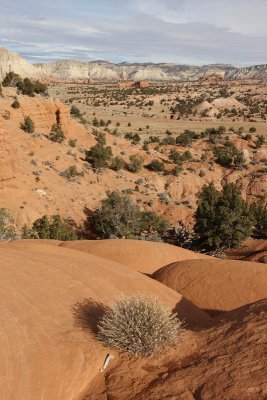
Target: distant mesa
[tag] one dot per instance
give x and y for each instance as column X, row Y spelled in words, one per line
column 135, row 72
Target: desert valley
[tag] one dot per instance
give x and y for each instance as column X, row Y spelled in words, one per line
column 142, row 184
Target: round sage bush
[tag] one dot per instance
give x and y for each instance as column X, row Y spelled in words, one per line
column 138, row 324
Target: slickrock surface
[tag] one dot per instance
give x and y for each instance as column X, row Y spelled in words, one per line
column 44, row 355
column 216, row 285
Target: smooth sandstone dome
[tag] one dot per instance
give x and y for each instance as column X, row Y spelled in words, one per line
column 227, row 361
column 251, row 250
column 216, row 285
column 142, row 256
column 43, row 354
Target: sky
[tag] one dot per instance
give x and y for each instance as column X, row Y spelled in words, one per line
column 194, row 32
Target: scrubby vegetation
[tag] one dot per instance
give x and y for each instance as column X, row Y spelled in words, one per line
column 24, row 86
column 119, row 217
column 99, row 156
column 28, row 125
column 7, row 229
column 139, row 325
column 53, row 227
column 56, row 134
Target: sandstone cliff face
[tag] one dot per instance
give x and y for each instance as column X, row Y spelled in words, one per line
column 254, row 72
column 10, row 61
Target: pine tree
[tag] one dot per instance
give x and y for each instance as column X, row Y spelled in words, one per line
column 223, row 219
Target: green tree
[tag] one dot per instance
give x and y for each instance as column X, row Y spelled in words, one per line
column 28, row 125
column 259, row 211
column 53, row 227
column 228, row 155
column 119, row 217
column 153, row 223
column 99, row 156
column 223, row 219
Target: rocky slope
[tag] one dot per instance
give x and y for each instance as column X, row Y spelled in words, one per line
column 31, row 167
column 102, row 70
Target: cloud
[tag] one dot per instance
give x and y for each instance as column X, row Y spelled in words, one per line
column 178, row 31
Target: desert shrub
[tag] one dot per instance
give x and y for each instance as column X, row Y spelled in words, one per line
column 135, row 163
column 119, row 217
column 75, row 112
column 56, row 134
column 138, row 324
column 99, row 156
column 117, row 163
column 7, row 230
column 133, row 137
column 252, row 129
column 186, row 138
column 101, row 138
column 222, row 219
column 153, row 223
column 53, row 227
column 1, row 90
column 156, row 165
column 95, row 122
column 169, row 140
column 15, row 104
column 228, row 155
column 71, row 173
column 260, row 141
column 11, row 79
column 28, row 125
column 247, row 136
column 181, row 236
column 40, row 88
column 72, row 142
column 29, row 88
column 177, row 169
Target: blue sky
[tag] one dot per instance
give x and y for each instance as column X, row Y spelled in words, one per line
column 192, row 32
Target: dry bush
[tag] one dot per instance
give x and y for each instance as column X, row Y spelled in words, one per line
column 138, row 324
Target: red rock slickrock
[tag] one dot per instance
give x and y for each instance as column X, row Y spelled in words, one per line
column 44, row 354
column 251, row 250
column 226, row 361
column 216, row 285
column 139, row 255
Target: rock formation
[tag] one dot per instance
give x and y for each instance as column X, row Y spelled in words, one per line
column 10, row 61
